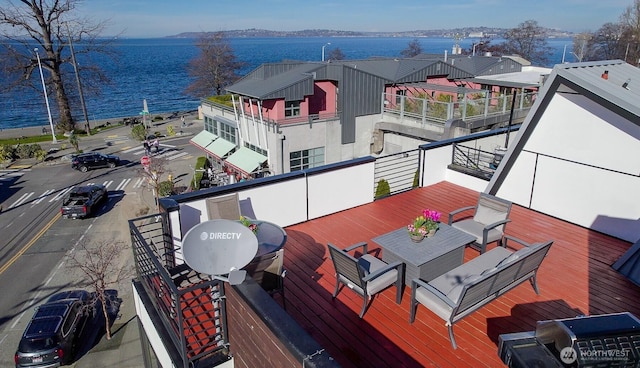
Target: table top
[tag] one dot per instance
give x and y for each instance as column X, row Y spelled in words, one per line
column 271, row 237
column 445, row 240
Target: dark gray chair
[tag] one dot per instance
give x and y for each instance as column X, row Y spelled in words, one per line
column 268, row 271
column 488, row 223
column 366, row 275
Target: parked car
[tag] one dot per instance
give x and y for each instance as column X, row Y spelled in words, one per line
column 94, row 160
column 51, row 337
column 83, row 201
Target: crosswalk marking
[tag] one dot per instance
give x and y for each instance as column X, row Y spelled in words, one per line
column 123, row 184
column 61, row 194
column 21, row 200
column 48, row 195
column 139, row 183
column 41, row 197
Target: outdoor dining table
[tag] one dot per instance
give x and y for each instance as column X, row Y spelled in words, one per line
column 429, row 258
column 271, row 237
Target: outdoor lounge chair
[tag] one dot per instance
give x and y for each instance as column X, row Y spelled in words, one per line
column 366, row 275
column 488, row 223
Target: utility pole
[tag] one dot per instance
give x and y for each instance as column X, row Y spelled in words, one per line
column 75, row 67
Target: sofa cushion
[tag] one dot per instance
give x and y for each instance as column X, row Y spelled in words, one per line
column 515, row 256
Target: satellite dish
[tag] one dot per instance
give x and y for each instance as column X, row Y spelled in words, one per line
column 220, row 247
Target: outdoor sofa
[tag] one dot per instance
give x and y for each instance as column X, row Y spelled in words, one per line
column 470, row 286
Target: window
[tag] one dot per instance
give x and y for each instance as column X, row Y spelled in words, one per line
column 306, row 159
column 399, row 94
column 292, row 108
column 228, row 132
column 255, row 148
column 210, row 125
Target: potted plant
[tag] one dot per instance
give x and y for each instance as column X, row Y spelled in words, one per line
column 424, row 225
column 248, row 223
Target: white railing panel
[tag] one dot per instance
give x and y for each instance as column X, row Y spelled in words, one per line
column 341, row 189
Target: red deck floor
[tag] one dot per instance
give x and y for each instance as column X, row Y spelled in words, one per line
column 576, row 278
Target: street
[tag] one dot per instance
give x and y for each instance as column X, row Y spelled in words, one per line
column 36, row 241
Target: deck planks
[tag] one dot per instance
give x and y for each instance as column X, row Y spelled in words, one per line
column 575, row 278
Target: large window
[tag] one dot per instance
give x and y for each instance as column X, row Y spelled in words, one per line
column 228, row 132
column 292, row 108
column 305, row 159
column 210, row 125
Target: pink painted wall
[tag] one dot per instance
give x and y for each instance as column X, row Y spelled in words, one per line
column 323, row 100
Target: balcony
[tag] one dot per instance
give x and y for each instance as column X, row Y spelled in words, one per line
column 324, row 205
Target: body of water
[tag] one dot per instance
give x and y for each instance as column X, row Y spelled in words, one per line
column 156, row 70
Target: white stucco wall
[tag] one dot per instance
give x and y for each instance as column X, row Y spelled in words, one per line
column 581, row 163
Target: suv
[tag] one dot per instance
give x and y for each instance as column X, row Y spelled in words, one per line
column 51, row 337
column 92, row 160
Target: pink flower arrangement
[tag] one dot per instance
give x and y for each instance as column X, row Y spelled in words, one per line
column 424, row 223
column 246, row 222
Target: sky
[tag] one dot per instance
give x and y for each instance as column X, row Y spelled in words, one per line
column 159, row 18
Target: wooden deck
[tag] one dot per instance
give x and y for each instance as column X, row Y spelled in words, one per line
column 575, row 279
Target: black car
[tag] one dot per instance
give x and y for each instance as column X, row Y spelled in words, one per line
column 93, row 160
column 84, row 201
column 51, row 337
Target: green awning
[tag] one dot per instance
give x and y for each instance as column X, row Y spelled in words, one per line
column 220, row 147
column 203, row 139
column 246, row 160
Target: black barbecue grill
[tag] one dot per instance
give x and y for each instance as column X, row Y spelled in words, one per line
column 609, row 340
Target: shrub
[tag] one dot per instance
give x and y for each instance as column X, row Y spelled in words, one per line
column 28, row 150
column 383, row 189
column 165, row 188
column 7, row 152
column 170, row 131
column 138, row 132
column 416, row 179
column 157, row 118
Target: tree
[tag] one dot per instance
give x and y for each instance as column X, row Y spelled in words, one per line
column 100, row 263
column 215, row 67
column 153, row 173
column 528, row 40
column 336, row 54
column 48, row 25
column 484, row 46
column 581, row 46
column 604, row 44
column 630, row 35
column 413, row 49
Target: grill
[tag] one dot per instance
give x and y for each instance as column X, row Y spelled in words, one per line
column 608, row 340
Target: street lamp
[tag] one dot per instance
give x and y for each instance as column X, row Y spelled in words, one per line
column 323, row 46
column 46, row 98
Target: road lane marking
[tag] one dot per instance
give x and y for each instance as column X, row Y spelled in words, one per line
column 29, row 244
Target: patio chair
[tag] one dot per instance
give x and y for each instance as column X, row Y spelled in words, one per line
column 224, row 207
column 269, row 273
column 366, row 275
column 488, row 223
